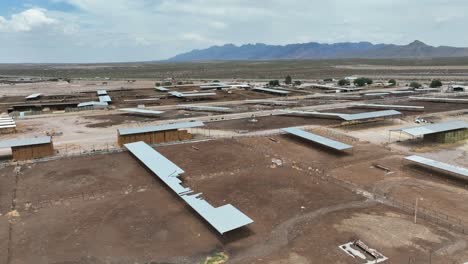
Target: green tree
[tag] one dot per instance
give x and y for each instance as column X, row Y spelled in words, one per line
column 392, row 82
column 216, row 81
column 288, row 80
column 328, row 80
column 297, row 83
column 436, row 84
column 362, row 81
column 415, row 85
column 274, row 83
column 343, row 82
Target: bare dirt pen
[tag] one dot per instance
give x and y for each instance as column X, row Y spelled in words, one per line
column 108, row 208
column 269, row 122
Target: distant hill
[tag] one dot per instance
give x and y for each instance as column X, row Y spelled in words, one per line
column 313, row 50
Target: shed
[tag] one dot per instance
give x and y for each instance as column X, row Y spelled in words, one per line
column 29, row 148
column 156, row 134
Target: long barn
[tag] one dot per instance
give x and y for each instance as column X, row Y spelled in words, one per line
column 30, row 148
column 156, row 134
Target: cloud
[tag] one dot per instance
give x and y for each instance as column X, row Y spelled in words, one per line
column 26, row 21
column 126, row 30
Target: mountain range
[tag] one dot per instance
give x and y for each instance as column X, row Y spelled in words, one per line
column 314, row 50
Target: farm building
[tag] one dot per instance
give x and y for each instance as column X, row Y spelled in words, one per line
column 156, row 134
column 30, row 148
column 447, row 132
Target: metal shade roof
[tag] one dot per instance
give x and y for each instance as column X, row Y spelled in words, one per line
column 376, row 94
column 205, row 107
column 317, row 139
column 346, row 117
column 141, row 111
column 148, row 129
column 183, row 95
column 224, row 218
column 433, row 128
column 439, row 165
column 370, row 115
column 105, row 99
column 162, row 89
column 259, row 101
column 101, row 92
column 25, row 142
column 93, row 104
column 33, row 96
column 269, row 90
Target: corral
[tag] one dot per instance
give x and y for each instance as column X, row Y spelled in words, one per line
column 290, row 201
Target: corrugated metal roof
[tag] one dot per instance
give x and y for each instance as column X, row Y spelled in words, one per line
column 270, row 102
column 139, row 130
column 101, row 92
column 33, row 96
column 439, row 165
column 105, row 99
column 141, row 111
column 92, row 104
column 376, row 94
column 271, row 90
column 205, row 107
column 433, row 128
column 317, row 139
column 183, row 95
column 370, row 115
column 25, row 142
column 224, row 218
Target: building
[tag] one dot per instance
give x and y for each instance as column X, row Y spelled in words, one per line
column 156, row 134
column 447, row 132
column 30, row 148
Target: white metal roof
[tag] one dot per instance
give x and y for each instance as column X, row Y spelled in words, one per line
column 33, row 96
column 139, row 130
column 317, row 139
column 224, row 218
column 93, row 104
column 101, row 92
column 183, row 95
column 271, row 90
column 105, row 99
column 162, row 89
column 205, row 107
column 25, row 142
column 439, row 165
column 370, row 115
column 141, row 111
column 433, row 128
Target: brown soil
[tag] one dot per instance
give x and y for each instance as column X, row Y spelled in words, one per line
column 270, row 122
column 109, row 208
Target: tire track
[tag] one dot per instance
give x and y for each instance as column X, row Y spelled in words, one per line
column 279, row 237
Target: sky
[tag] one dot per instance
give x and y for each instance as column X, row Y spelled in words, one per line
column 88, row 31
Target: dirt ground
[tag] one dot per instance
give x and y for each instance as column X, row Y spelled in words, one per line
column 110, row 209
column 271, row 122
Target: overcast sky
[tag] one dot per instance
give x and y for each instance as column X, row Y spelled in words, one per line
column 142, row 30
